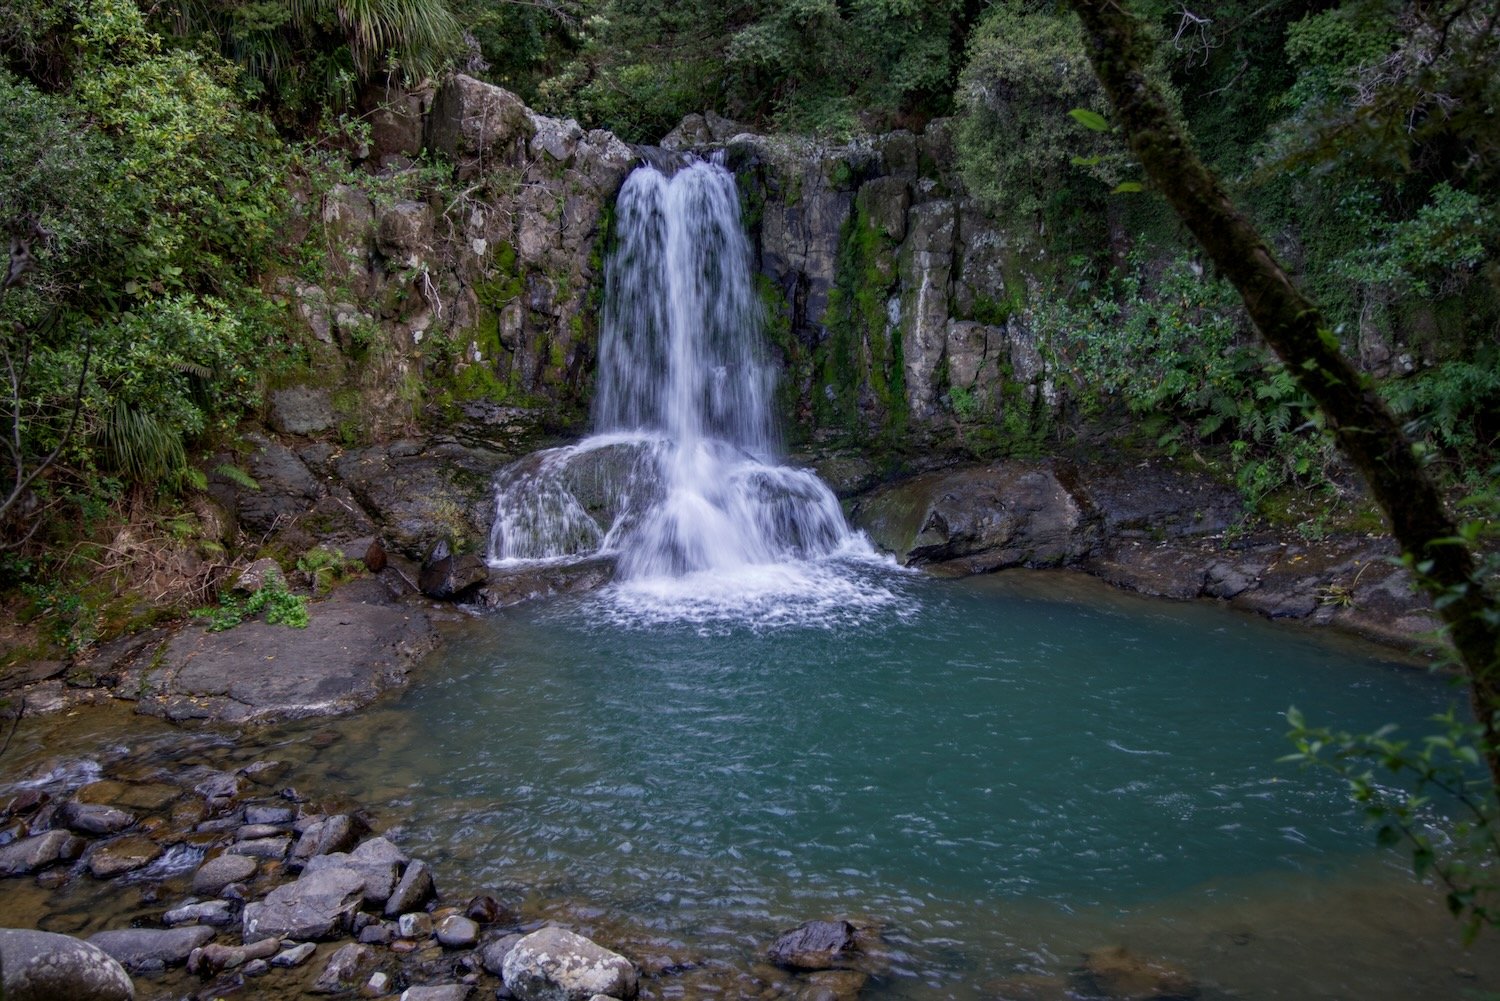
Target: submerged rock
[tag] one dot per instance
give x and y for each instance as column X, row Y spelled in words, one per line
column 41, row 966
column 1117, row 973
column 554, row 964
column 815, row 945
column 20, row 858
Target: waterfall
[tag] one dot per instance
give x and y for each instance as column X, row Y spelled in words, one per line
column 683, row 475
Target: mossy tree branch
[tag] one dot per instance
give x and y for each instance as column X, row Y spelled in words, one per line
column 1293, row 326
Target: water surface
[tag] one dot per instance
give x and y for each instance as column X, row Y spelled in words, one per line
column 1003, row 772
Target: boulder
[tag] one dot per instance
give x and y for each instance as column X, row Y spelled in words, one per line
column 151, row 948
column 445, row 576
column 414, row 889
column 319, row 905
column 457, row 932
column 217, row 873
column 492, row 956
column 209, row 912
column 815, row 945
column 377, row 861
column 94, row 818
column 979, row 519
column 19, row 858
column 554, row 964
column 41, row 966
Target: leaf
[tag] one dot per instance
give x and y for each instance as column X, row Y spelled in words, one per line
column 1086, row 161
column 1089, row 119
column 1128, row 188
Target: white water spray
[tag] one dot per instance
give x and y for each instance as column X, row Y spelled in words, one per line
column 681, row 480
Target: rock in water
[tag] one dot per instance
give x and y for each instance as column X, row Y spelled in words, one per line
column 319, row 905
column 41, row 966
column 554, row 964
column 1115, row 972
column 815, row 945
column 152, row 948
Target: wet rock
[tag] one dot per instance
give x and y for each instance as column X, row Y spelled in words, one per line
column 255, row 832
column 414, row 890
column 375, row 934
column 94, row 818
column 447, row 576
column 267, row 773
column 832, row 985
column 815, row 945
column 345, row 969
column 215, row 958
column 512, row 586
column 20, row 858
column 217, row 873
column 294, row 956
column 218, row 788
column 440, row 992
column 265, row 848
column 457, row 932
column 260, row 814
column 1028, row 987
column 488, row 911
column 41, row 966
column 981, row 519
column 417, row 924
column 147, row 796
column 319, row 905
column 115, row 858
column 140, row 949
column 377, row 861
column 209, row 912
column 256, row 968
column 554, row 964
column 378, row 985
column 1117, row 973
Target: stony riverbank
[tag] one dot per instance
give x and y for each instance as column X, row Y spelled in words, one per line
column 188, row 867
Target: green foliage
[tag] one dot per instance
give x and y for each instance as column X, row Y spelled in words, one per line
column 149, row 197
column 1406, row 790
column 1455, row 407
column 1031, row 115
column 326, row 568
column 808, row 66
column 280, row 605
column 306, row 57
column 1171, row 345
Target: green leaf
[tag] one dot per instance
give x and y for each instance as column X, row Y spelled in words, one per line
column 1128, row 188
column 1089, row 119
column 1086, row 161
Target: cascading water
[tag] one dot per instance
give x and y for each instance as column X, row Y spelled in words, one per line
column 681, row 479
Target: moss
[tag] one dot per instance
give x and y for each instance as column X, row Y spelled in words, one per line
column 860, row 365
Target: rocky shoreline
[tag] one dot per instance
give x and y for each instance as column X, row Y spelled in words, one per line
column 188, row 868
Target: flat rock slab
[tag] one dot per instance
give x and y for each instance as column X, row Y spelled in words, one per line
column 351, row 651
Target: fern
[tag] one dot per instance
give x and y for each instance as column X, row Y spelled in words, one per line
column 237, row 476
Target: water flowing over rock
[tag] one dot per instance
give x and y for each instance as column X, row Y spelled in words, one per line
column 682, row 476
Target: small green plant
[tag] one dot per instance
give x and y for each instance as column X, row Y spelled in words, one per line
column 326, row 568
column 280, row 605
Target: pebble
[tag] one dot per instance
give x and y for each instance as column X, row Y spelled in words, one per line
column 294, row 956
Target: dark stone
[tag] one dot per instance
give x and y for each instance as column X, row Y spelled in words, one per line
column 114, row 858
column 1116, row 973
column 41, row 966
column 815, row 945
column 446, row 576
column 152, row 948
column 27, row 855
column 414, row 890
column 345, row 969
column 300, row 410
column 488, row 911
column 217, row 873
column 512, row 586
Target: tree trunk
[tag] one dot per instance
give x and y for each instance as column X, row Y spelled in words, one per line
column 1361, row 423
